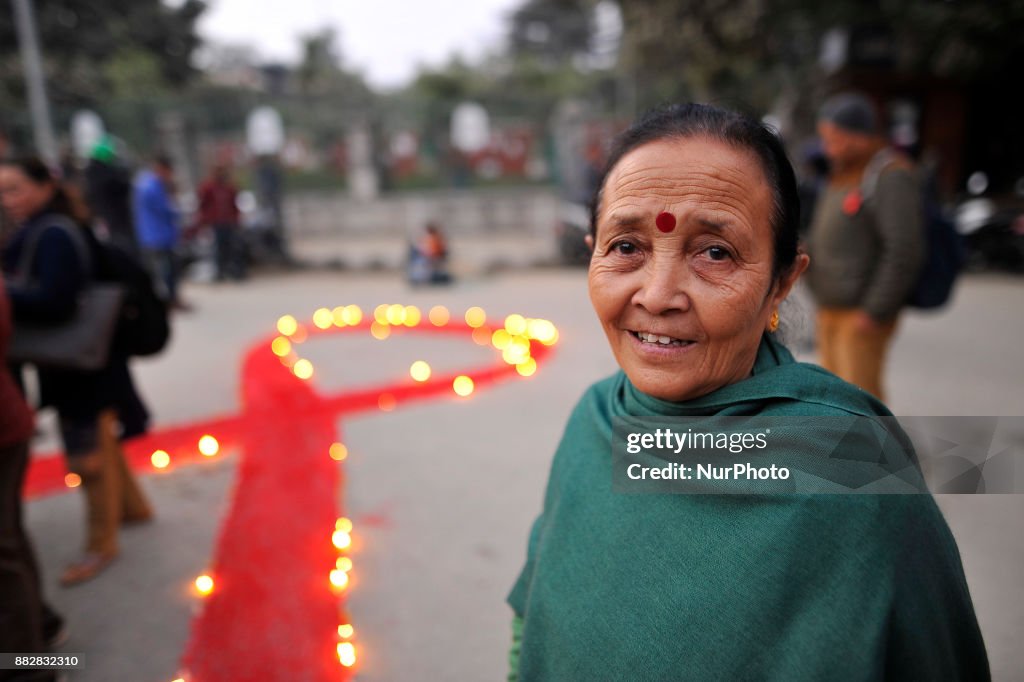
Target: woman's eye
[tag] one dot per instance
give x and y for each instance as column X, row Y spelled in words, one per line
column 624, row 248
column 717, row 253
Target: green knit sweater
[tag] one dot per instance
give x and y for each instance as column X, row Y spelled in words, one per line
column 736, row 587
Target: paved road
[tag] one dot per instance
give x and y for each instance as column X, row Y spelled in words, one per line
column 443, row 493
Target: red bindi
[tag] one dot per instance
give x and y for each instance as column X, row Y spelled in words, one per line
column 665, row 221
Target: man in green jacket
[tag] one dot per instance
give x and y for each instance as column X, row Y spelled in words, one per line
column 866, row 242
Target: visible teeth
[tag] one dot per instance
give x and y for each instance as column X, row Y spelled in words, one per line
column 659, row 339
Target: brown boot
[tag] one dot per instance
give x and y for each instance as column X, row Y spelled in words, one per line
column 100, row 482
column 135, row 508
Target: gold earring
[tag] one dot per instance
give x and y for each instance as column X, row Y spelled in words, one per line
column 773, row 324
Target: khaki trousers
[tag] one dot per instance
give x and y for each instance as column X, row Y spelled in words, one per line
column 112, row 495
column 852, row 354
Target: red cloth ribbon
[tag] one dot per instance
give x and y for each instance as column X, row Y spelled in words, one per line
column 272, row 614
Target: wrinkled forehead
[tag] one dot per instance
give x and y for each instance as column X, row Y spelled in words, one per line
column 699, row 170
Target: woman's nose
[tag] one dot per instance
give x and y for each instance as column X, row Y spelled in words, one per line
column 663, row 287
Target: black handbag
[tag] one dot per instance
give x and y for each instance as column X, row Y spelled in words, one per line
column 82, row 342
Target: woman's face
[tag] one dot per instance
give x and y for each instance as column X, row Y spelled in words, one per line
column 20, row 196
column 684, row 310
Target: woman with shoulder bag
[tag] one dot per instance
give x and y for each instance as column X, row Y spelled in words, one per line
column 97, row 408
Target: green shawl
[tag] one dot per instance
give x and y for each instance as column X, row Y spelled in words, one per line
column 736, row 587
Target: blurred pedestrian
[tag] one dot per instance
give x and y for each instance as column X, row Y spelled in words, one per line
column 157, row 225
column 27, row 624
column 47, row 267
column 218, row 210
column 812, row 177
column 70, row 172
column 428, row 257
column 866, row 242
column 6, row 226
column 269, row 201
column 108, row 192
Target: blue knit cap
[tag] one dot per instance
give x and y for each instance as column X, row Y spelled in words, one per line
column 850, row 111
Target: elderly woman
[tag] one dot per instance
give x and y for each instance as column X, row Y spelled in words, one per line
column 694, row 241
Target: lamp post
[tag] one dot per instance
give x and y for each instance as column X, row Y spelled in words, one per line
column 28, row 40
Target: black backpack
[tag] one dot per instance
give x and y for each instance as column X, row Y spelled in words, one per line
column 944, row 259
column 944, row 250
column 143, row 327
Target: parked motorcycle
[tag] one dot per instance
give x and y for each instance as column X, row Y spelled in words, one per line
column 993, row 231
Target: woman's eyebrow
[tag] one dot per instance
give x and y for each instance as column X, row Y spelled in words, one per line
column 715, row 224
column 626, row 220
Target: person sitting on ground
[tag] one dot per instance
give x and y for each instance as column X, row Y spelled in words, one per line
column 428, row 257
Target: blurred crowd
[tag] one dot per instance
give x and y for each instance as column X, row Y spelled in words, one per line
column 91, row 259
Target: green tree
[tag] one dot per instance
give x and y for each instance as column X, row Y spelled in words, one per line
column 547, row 58
column 751, row 50
column 328, row 95
column 553, row 32
column 92, row 49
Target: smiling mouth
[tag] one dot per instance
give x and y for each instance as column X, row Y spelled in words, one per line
column 659, row 339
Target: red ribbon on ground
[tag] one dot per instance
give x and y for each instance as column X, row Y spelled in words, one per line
column 273, row 614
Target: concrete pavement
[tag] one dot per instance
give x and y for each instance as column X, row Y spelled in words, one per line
column 442, row 493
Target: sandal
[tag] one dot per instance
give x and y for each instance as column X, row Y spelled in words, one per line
column 86, row 568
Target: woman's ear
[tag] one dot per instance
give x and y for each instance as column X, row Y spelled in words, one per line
column 788, row 279
column 589, row 241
